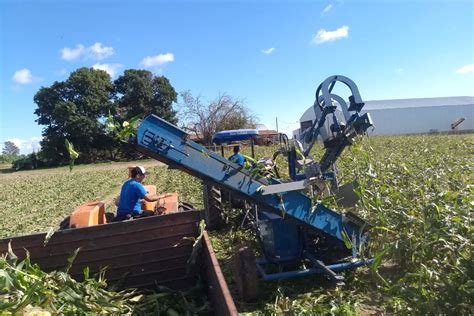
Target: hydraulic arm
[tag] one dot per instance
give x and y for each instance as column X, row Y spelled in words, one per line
column 342, row 131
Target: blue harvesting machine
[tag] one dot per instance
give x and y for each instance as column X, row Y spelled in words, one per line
column 298, row 237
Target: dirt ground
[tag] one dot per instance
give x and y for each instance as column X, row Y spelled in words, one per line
column 6, row 171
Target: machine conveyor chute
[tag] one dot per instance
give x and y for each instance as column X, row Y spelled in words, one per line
column 171, row 145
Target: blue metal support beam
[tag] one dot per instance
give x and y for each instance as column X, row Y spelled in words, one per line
column 310, row 271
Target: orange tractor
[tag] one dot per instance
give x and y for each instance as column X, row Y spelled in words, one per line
column 94, row 212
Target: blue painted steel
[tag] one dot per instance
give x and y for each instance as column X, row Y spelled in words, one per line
column 306, row 272
column 292, row 164
column 281, row 239
column 166, row 142
column 341, row 136
column 234, row 135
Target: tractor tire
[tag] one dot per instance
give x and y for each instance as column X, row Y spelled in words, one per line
column 238, row 203
column 109, row 217
column 232, row 200
column 225, row 196
column 184, row 207
column 65, row 223
column 245, row 274
column 212, row 206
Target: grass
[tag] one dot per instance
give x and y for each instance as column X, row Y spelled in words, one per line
column 417, row 191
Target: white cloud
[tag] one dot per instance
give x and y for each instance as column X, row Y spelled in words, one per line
column 97, row 51
column 268, row 51
column 465, row 69
column 26, row 146
column 111, row 69
column 157, row 60
column 326, row 36
column 399, row 70
column 73, row 53
column 24, row 76
column 327, row 8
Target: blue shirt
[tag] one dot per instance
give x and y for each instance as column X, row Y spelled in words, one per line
column 130, row 198
column 238, row 159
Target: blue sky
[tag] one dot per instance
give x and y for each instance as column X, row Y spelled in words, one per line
column 273, row 54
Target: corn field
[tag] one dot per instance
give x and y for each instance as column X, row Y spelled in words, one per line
column 416, row 191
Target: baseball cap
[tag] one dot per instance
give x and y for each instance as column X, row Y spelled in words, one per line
column 142, row 169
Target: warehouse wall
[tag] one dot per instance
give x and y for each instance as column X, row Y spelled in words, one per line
column 413, row 120
column 421, row 119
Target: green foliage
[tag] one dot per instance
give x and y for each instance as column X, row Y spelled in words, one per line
column 140, row 93
column 26, row 289
column 10, row 153
column 122, row 132
column 31, row 161
column 10, row 149
column 22, row 164
column 71, row 109
column 35, row 197
column 77, row 108
column 73, row 155
column 415, row 190
column 8, row 158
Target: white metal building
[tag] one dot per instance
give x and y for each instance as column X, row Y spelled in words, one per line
column 413, row 116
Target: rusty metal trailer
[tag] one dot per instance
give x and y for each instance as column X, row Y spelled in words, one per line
column 140, row 253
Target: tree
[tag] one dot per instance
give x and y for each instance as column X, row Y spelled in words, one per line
column 223, row 113
column 9, row 148
column 72, row 109
column 139, row 92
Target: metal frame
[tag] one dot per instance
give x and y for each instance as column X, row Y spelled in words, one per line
column 321, row 269
column 235, row 136
column 171, row 145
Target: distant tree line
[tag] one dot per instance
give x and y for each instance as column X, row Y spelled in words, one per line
column 11, row 155
column 10, row 152
column 80, row 108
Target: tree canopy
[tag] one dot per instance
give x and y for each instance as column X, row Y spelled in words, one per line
column 139, row 92
column 77, row 107
column 9, row 148
column 72, row 109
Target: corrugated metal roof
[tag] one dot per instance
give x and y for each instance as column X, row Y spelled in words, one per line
column 416, row 103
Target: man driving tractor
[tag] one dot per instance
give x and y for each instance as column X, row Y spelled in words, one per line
column 131, row 194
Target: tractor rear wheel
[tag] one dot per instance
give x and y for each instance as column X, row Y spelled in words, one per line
column 245, row 273
column 232, row 200
column 65, row 223
column 212, row 206
column 109, row 217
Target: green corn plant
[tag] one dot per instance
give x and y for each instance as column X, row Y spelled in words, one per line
column 73, row 154
column 124, row 131
column 26, row 289
column 416, row 191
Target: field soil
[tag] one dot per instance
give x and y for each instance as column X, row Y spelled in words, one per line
column 7, row 171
